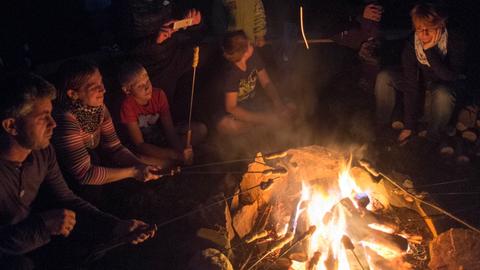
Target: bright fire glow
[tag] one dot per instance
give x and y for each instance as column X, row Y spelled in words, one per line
column 324, row 210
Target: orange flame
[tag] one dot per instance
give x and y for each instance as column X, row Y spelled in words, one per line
column 331, row 223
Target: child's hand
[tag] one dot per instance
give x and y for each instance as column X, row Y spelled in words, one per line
column 188, row 155
column 373, row 12
column 165, row 32
column 285, row 111
column 195, row 15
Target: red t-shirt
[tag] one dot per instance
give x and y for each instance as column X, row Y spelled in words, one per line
column 144, row 115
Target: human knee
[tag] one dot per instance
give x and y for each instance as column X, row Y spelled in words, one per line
column 229, row 126
column 443, row 101
column 199, row 131
column 384, row 83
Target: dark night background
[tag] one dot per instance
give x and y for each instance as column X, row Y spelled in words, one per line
column 38, row 35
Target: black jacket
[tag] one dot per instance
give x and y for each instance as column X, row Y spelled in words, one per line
column 445, row 70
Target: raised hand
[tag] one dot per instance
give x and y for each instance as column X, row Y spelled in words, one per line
column 59, row 221
column 165, row 32
column 373, row 12
column 194, row 15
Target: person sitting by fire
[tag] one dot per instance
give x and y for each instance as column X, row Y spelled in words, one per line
column 85, row 137
column 146, row 29
column 242, row 110
column 433, row 63
column 145, row 113
column 63, row 231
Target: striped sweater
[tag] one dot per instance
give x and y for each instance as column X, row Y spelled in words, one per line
column 72, row 144
column 247, row 15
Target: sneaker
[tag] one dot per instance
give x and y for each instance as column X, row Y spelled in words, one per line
column 446, row 150
column 398, row 125
column 470, row 135
column 423, row 134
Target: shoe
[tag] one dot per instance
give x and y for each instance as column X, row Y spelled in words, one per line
column 398, row 125
column 404, row 136
column 470, row 135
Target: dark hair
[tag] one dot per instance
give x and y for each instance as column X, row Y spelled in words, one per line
column 19, row 91
column 429, row 13
column 128, row 71
column 235, row 44
column 72, row 74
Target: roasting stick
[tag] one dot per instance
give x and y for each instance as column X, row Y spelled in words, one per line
column 211, row 164
column 367, row 166
column 263, row 186
column 443, row 183
column 302, row 29
column 304, row 236
column 278, row 171
column 196, row 57
column 268, row 156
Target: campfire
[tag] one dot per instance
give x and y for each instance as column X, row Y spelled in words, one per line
column 312, row 208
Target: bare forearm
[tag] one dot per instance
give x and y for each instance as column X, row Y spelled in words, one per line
column 117, row 174
column 146, row 149
column 272, row 92
column 124, row 158
column 248, row 116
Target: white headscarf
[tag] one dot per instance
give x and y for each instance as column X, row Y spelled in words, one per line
column 442, row 46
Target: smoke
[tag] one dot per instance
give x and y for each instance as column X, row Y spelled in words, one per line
column 331, row 110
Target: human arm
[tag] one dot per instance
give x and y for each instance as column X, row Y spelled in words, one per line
column 372, row 12
column 170, row 132
column 269, row 87
column 154, row 154
column 167, row 30
column 272, row 92
column 231, row 106
column 110, row 143
column 76, row 160
column 24, row 236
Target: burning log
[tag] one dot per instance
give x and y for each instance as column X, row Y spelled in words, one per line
column 370, row 220
column 313, row 262
column 275, row 155
column 276, row 246
column 253, row 237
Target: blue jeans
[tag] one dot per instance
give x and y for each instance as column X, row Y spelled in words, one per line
column 438, row 106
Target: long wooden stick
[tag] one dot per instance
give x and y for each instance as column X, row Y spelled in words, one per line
column 302, row 29
column 367, row 166
column 196, row 57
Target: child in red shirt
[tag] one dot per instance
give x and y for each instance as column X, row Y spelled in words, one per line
column 146, row 115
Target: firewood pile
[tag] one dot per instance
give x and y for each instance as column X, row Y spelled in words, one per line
column 269, row 223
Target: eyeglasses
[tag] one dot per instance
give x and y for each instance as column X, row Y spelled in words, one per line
column 426, row 31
